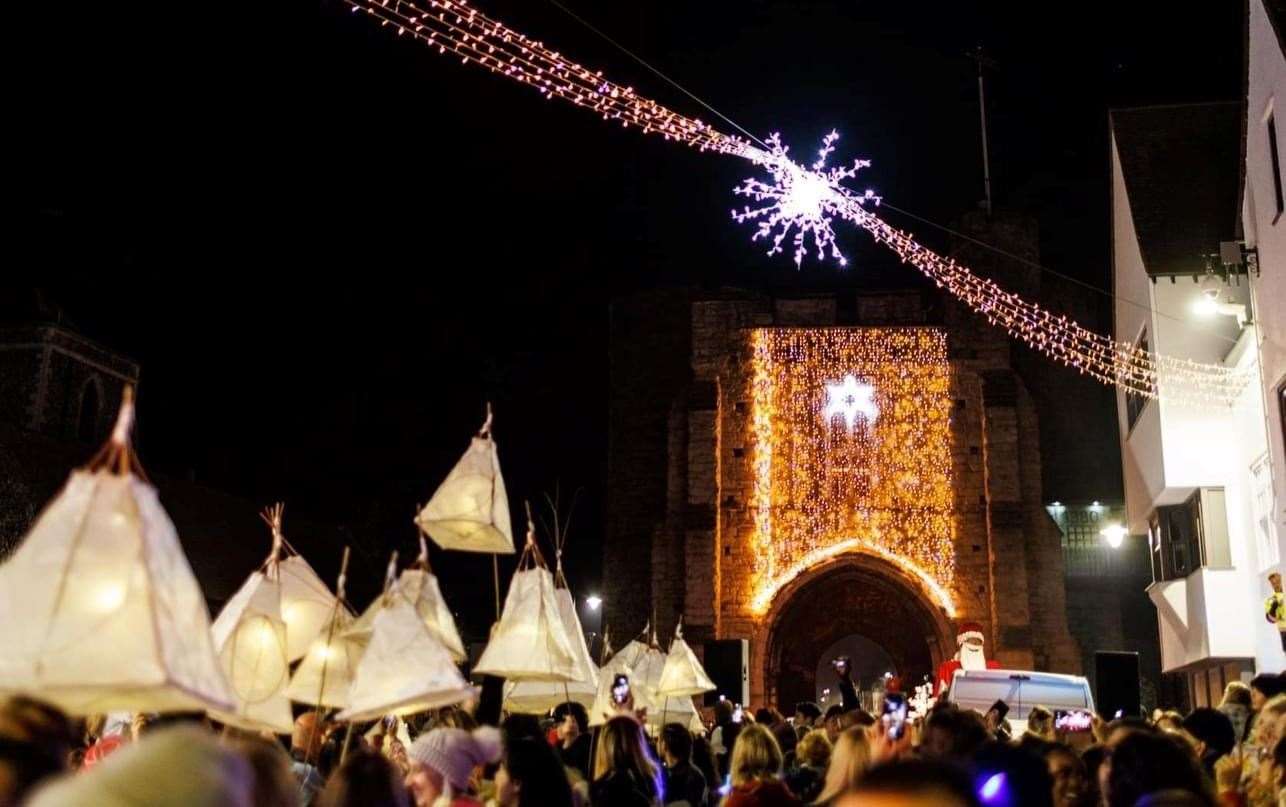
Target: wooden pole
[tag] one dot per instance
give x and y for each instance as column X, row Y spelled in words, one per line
column 495, row 573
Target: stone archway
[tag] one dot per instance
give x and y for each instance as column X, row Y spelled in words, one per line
column 851, row 594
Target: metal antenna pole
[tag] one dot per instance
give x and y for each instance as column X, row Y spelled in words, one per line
column 979, row 56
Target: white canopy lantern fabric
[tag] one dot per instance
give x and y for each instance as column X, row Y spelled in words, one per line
column 99, row 608
column 530, row 643
column 538, row 697
column 683, row 675
column 643, row 665
column 470, row 510
column 251, row 638
column 676, row 710
column 325, row 675
column 421, row 588
column 404, row 670
column 306, row 605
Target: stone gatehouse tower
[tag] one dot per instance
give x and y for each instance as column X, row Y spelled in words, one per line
column 735, row 500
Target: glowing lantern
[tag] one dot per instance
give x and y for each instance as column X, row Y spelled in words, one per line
column 405, row 669
column 538, row 697
column 325, row 675
column 530, row 643
column 643, row 663
column 683, row 675
column 420, row 587
column 470, row 510
column 99, row 608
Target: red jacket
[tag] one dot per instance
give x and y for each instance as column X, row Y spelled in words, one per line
column 770, row 793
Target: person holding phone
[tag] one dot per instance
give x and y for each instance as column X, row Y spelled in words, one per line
column 848, row 692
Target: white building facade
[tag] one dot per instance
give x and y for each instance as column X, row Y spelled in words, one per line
column 1193, row 470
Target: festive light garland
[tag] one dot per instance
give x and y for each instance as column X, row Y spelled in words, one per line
column 821, row 488
column 803, row 199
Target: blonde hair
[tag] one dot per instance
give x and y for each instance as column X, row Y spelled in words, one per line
column 814, row 749
column 849, row 761
column 755, row 755
column 1040, row 722
column 623, row 748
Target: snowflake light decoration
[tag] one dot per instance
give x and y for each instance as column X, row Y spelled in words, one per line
column 850, row 400
column 801, row 199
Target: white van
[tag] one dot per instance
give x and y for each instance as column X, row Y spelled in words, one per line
column 1020, row 690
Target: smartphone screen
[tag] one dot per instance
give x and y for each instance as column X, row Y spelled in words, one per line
column 621, row 689
column 737, row 714
column 1072, row 720
column 894, row 717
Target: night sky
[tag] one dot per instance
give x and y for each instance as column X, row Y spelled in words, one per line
column 328, row 247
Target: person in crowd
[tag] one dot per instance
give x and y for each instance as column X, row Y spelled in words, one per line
column 767, row 716
column 1265, row 732
column 1141, row 764
column 953, row 734
column 305, row 747
column 849, row 761
column 703, row 759
column 787, row 740
column 806, row 716
column 683, row 781
column 755, row 771
column 1040, row 728
column 812, row 756
column 443, row 761
column 912, row 783
column 844, row 682
column 365, row 779
column 1264, row 687
column 1092, row 758
column 180, row 765
column 1007, row 774
column 274, row 782
column 1213, row 733
column 624, row 772
column 35, row 744
column 1275, row 607
column 531, row 775
column 724, row 735
column 1168, row 720
column 1236, row 707
column 1070, row 784
column 572, row 726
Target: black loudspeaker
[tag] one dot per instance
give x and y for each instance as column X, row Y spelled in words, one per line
column 1116, row 678
column 727, row 662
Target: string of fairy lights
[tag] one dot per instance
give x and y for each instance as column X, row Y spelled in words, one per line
column 880, row 481
column 802, row 201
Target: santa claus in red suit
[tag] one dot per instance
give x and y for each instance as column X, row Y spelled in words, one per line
column 969, row 657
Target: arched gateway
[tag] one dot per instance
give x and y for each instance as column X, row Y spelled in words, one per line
column 780, row 477
column 851, row 594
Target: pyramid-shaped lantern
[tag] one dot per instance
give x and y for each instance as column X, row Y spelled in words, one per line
column 470, row 510
column 405, row 669
column 643, row 662
column 538, row 697
column 683, row 676
column 530, row 642
column 252, row 638
column 325, row 675
column 419, row 585
column 99, row 609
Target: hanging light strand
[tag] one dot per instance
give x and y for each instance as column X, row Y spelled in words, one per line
column 456, row 27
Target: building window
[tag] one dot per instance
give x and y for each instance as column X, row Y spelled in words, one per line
column 1277, row 168
column 1135, row 403
column 1187, row 536
column 1261, row 511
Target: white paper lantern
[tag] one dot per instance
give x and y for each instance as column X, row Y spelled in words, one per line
column 470, row 510
column 325, row 675
column 538, row 697
column 251, row 638
column 404, row 670
column 643, row 665
column 529, row 643
column 306, row 605
column 420, row 587
column 683, row 675
column 99, row 609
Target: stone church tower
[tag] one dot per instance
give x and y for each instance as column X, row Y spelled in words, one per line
column 744, row 497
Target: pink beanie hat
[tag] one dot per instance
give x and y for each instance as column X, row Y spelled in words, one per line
column 455, row 752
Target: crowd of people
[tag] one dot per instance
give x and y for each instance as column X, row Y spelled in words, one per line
column 1232, row 755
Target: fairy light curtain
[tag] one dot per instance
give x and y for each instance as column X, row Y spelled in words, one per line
column 851, row 452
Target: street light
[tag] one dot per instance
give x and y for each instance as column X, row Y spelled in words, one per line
column 1115, row 534
column 593, row 601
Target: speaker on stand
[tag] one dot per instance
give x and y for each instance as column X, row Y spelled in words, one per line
column 1116, row 684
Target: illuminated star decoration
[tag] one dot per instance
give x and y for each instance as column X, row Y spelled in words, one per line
column 851, row 400
column 801, row 199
